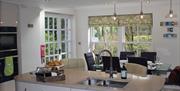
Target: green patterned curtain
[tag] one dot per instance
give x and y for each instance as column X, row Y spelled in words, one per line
column 122, row 20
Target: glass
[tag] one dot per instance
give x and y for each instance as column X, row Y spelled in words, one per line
column 62, row 23
column 51, row 36
column 46, row 22
column 50, row 23
column 46, row 36
column 55, row 35
column 62, row 35
column 63, row 56
column 55, row 23
column 47, row 49
column 51, row 49
column 131, row 34
column 56, row 48
column 63, row 46
column 145, row 34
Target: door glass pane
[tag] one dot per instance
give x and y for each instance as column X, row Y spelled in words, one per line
column 55, row 23
column 62, row 35
column 51, row 48
column 47, row 59
column 51, row 58
column 63, row 56
column 56, row 48
column 50, row 23
column 62, row 23
column 47, row 49
column 46, row 36
column 63, row 46
column 51, row 36
column 55, row 35
column 46, row 22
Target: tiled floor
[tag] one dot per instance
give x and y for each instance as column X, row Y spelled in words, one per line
column 7, row 86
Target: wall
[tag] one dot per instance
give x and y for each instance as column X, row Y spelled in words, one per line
column 168, row 49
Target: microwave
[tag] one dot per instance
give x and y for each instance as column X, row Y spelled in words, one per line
column 8, row 38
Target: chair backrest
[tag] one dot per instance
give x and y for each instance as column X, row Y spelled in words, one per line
column 89, row 60
column 115, row 63
column 136, row 69
column 138, row 60
column 124, row 55
column 151, row 56
column 174, row 77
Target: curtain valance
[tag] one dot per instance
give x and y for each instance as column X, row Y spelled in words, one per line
column 122, row 20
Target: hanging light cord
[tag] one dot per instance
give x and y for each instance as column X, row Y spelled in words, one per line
column 115, row 9
column 141, row 6
column 171, row 5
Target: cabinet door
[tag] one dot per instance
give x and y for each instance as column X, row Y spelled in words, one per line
column 54, row 88
column 80, row 90
column 22, row 86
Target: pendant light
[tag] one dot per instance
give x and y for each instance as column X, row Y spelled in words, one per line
column 141, row 12
column 170, row 10
column 114, row 14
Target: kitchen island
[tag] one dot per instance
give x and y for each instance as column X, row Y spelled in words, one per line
column 28, row 82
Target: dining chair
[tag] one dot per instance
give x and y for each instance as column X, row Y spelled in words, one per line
column 136, row 69
column 90, row 61
column 106, row 63
column 124, row 55
column 138, row 60
column 151, row 56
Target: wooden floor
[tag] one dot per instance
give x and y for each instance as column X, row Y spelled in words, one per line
column 7, row 86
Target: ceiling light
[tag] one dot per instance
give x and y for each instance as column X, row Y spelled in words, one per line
column 170, row 10
column 114, row 14
column 141, row 12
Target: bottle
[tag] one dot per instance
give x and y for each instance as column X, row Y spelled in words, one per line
column 123, row 72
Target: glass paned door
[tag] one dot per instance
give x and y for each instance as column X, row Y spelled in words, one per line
column 57, row 37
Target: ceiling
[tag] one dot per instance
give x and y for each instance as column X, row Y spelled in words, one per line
column 67, row 3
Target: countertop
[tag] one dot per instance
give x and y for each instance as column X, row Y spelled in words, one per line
column 73, row 77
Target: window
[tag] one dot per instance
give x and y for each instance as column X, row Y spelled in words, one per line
column 104, row 38
column 137, row 38
column 129, row 33
column 57, row 37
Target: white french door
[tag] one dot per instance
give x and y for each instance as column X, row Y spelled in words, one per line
column 57, row 36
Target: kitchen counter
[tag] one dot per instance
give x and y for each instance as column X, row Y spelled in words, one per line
column 73, row 77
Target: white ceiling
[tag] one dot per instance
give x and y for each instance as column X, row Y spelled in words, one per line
column 67, row 3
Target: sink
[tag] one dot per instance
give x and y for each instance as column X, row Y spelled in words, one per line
column 103, row 83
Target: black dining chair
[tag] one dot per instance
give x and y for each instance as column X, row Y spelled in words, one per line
column 150, row 56
column 90, row 61
column 138, row 60
column 115, row 63
column 124, row 55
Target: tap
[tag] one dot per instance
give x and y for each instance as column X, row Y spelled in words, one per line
column 111, row 67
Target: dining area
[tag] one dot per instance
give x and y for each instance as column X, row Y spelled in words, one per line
column 143, row 66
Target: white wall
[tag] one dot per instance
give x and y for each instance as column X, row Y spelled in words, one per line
column 30, row 38
column 168, row 49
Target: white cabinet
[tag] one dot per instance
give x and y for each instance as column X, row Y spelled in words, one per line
column 23, row 86
column 54, row 88
column 80, row 90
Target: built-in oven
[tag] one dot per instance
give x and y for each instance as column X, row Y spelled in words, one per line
column 8, row 38
column 8, row 48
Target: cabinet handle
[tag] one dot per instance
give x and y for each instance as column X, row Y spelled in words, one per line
column 25, row 89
